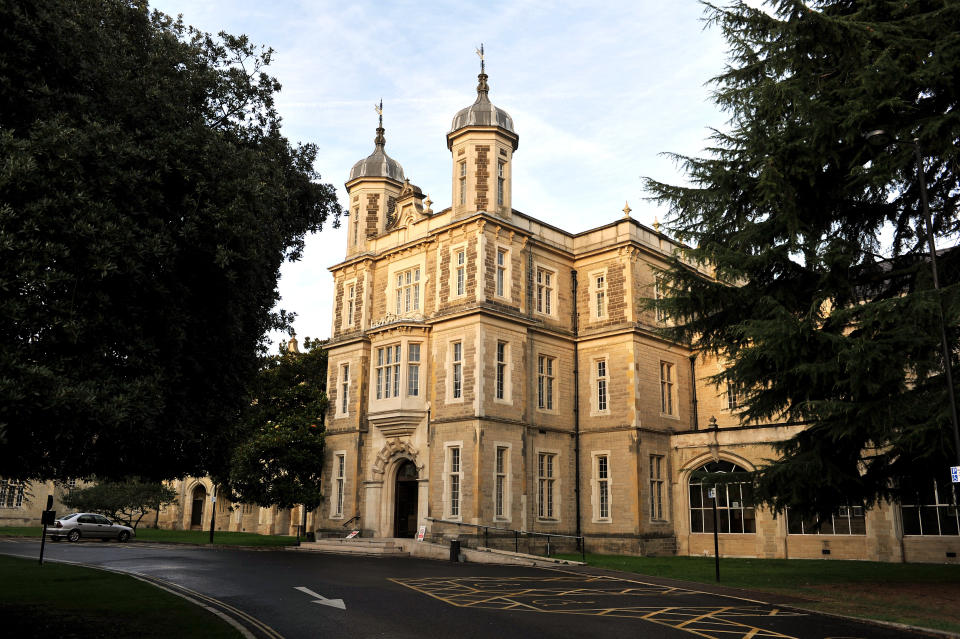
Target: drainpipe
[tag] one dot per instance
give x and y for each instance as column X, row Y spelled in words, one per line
column 576, row 403
column 693, row 391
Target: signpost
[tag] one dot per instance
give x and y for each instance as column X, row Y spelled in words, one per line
column 47, row 517
column 712, row 493
column 213, row 511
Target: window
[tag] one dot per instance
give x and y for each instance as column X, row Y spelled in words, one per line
column 733, row 396
column 388, row 371
column 601, row 295
column 351, row 301
column 658, row 295
column 11, row 493
column 656, row 487
column 463, row 183
column 72, row 483
column 734, row 501
column 934, row 511
column 602, row 384
column 545, row 479
column 413, row 370
column 666, row 388
column 453, row 477
column 344, row 388
column 408, row 291
column 500, row 182
column 460, row 257
column 849, row 520
column 545, row 382
column 500, row 483
column 501, row 368
column 501, row 271
column 356, row 223
column 603, row 486
column 339, row 483
column 457, row 370
column 544, row 291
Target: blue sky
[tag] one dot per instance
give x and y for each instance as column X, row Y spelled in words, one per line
column 597, row 92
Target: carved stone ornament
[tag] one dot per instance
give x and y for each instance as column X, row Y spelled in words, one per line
column 393, row 449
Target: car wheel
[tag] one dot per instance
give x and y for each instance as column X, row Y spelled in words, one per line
column 74, row 535
column 123, row 537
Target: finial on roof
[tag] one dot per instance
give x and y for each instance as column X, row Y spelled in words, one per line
column 626, row 209
column 656, row 224
column 482, row 87
column 292, row 346
column 380, row 140
column 427, row 202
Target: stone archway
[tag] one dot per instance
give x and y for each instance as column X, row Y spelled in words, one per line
column 396, row 466
column 405, row 492
column 197, row 499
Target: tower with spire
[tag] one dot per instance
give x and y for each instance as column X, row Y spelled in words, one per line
column 482, row 141
column 373, row 188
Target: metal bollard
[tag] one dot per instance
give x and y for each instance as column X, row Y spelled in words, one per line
column 455, row 550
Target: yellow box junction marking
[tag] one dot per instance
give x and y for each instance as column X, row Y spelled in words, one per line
column 599, row 596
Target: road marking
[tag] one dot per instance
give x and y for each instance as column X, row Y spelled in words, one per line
column 184, row 593
column 320, row 599
column 606, row 597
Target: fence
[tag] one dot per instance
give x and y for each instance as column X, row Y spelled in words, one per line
column 527, row 541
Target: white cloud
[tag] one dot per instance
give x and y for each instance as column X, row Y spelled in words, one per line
column 596, row 90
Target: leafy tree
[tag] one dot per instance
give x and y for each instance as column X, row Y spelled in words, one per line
column 819, row 289
column 147, row 201
column 124, row 501
column 281, row 461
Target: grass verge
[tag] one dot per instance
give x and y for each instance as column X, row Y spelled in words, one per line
column 925, row 595
column 73, row 602
column 220, row 537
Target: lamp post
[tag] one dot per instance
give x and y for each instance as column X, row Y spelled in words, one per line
column 879, row 137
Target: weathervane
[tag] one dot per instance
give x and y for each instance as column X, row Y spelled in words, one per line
column 379, row 140
column 480, row 53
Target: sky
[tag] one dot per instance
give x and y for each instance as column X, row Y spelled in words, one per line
column 598, row 92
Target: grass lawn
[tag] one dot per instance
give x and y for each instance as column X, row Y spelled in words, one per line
column 76, row 603
column 926, row 595
column 220, row 538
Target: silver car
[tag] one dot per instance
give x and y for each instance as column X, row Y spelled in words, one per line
column 75, row 526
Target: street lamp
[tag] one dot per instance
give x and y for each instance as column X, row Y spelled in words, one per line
column 880, row 137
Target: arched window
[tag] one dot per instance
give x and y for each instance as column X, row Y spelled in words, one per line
column 734, row 501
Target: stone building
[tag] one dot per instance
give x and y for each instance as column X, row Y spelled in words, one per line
column 488, row 368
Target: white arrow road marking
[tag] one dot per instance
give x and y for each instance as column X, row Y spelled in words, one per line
column 320, row 599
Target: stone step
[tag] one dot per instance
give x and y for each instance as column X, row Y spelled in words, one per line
column 366, row 547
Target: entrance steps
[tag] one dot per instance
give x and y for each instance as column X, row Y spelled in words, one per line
column 366, row 547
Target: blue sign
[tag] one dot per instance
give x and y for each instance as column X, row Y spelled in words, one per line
column 955, row 474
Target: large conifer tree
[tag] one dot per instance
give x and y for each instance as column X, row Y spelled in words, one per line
column 822, row 300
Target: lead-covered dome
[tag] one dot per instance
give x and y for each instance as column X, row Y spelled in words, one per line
column 482, row 112
column 378, row 163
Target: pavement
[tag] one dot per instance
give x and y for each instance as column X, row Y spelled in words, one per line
column 280, row 594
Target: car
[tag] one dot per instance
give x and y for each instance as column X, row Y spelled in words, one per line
column 77, row 526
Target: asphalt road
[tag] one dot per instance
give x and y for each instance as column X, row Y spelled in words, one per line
column 391, row 597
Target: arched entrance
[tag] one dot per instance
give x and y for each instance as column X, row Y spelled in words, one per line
column 196, row 513
column 405, row 502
